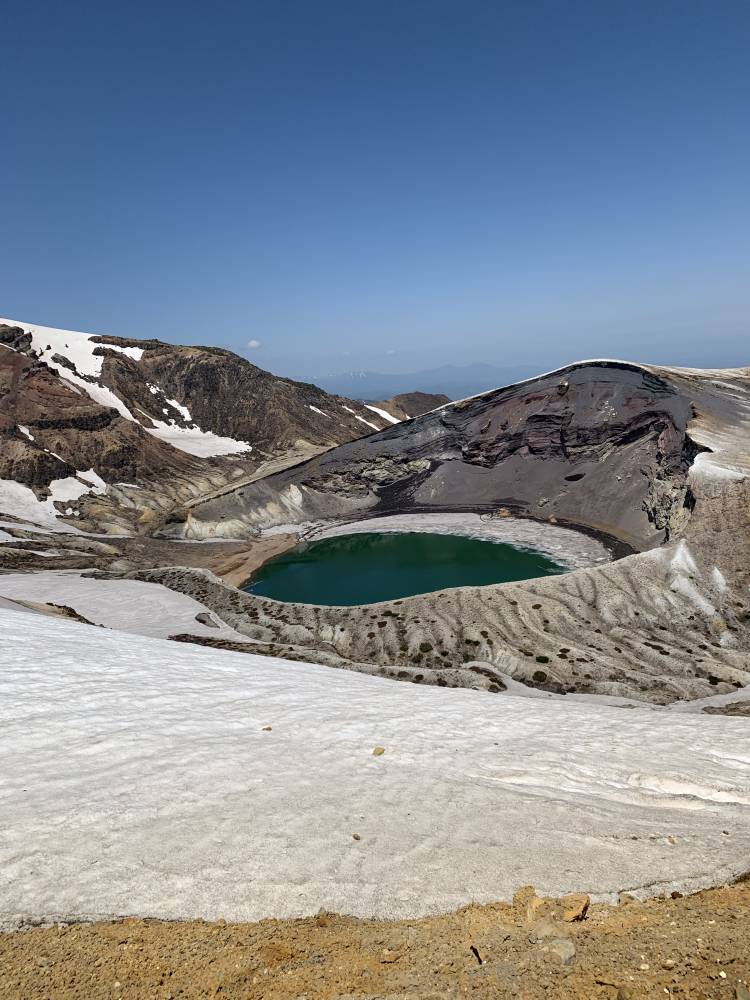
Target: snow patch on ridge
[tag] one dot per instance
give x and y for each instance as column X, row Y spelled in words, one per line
column 383, row 413
column 708, row 464
column 182, row 410
column 75, row 346
column 98, row 484
column 72, row 488
column 20, row 501
column 361, row 419
column 718, row 579
column 194, row 441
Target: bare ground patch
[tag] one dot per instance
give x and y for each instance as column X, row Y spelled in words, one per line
column 696, row 946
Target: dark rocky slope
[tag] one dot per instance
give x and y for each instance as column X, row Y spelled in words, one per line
column 230, row 396
column 602, row 446
column 68, row 430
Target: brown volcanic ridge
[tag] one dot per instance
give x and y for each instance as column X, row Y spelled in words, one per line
column 412, row 404
column 111, row 420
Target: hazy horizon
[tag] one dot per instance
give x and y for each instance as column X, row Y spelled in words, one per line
column 383, row 186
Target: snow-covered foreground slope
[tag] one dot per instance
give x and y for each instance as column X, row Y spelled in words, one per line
column 138, row 776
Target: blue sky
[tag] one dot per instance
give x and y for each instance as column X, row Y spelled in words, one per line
column 385, row 185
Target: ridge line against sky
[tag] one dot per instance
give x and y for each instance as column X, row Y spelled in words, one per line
column 390, row 186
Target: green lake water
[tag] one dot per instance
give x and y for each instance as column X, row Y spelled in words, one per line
column 365, row 568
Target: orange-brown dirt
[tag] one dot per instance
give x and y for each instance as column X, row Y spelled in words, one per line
column 696, row 946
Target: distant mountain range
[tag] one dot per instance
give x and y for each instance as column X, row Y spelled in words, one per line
column 455, row 381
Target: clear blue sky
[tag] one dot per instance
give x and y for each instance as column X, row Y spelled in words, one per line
column 390, row 184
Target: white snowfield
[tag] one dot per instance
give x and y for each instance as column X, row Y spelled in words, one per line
column 138, row 777
column 194, row 441
column 21, row 501
column 48, row 342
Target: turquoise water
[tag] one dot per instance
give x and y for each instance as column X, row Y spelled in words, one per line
column 365, row 568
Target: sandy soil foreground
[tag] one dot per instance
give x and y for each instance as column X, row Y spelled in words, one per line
column 696, row 946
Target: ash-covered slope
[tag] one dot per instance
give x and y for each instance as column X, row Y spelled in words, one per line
column 149, row 414
column 601, row 445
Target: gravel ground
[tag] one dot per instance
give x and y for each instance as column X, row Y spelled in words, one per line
column 696, row 946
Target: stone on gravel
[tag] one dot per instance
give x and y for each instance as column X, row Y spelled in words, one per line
column 575, row 907
column 546, row 929
column 564, row 949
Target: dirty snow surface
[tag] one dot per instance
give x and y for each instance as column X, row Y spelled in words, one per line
column 127, row 605
column 194, row 441
column 138, row 777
